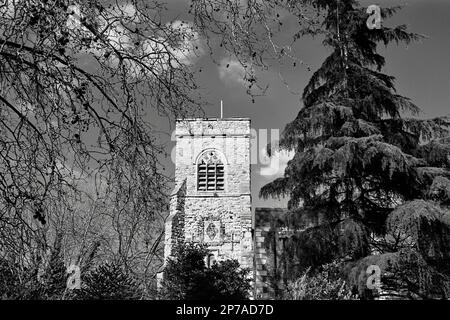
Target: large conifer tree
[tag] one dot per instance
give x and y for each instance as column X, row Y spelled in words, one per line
column 376, row 183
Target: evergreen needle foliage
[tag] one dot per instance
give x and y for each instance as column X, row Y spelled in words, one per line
column 377, row 182
column 108, row 281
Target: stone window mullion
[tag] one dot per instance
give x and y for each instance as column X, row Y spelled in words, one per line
column 210, row 173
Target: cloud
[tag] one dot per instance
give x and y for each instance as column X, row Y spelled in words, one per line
column 190, row 47
column 8, row 8
column 160, row 55
column 232, row 72
column 25, row 108
column 278, row 163
column 74, row 18
column 118, row 37
column 177, row 46
column 69, row 172
column 127, row 10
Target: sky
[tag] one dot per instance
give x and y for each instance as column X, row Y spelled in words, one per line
column 422, row 72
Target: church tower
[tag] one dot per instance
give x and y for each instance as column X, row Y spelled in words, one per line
column 211, row 202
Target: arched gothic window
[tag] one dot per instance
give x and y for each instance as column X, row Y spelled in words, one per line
column 210, row 172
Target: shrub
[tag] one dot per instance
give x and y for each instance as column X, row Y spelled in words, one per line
column 324, row 284
column 108, row 281
column 186, row 277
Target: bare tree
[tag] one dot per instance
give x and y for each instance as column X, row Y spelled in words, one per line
column 253, row 33
column 77, row 81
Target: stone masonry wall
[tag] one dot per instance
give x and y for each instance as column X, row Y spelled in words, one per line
column 174, row 228
column 230, row 138
column 276, row 259
column 234, row 239
column 268, row 251
column 227, row 212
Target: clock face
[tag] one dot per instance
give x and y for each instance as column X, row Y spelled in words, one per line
column 212, row 231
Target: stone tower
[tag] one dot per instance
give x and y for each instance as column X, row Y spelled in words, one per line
column 211, row 202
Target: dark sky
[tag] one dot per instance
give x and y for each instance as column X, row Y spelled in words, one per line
column 422, row 71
